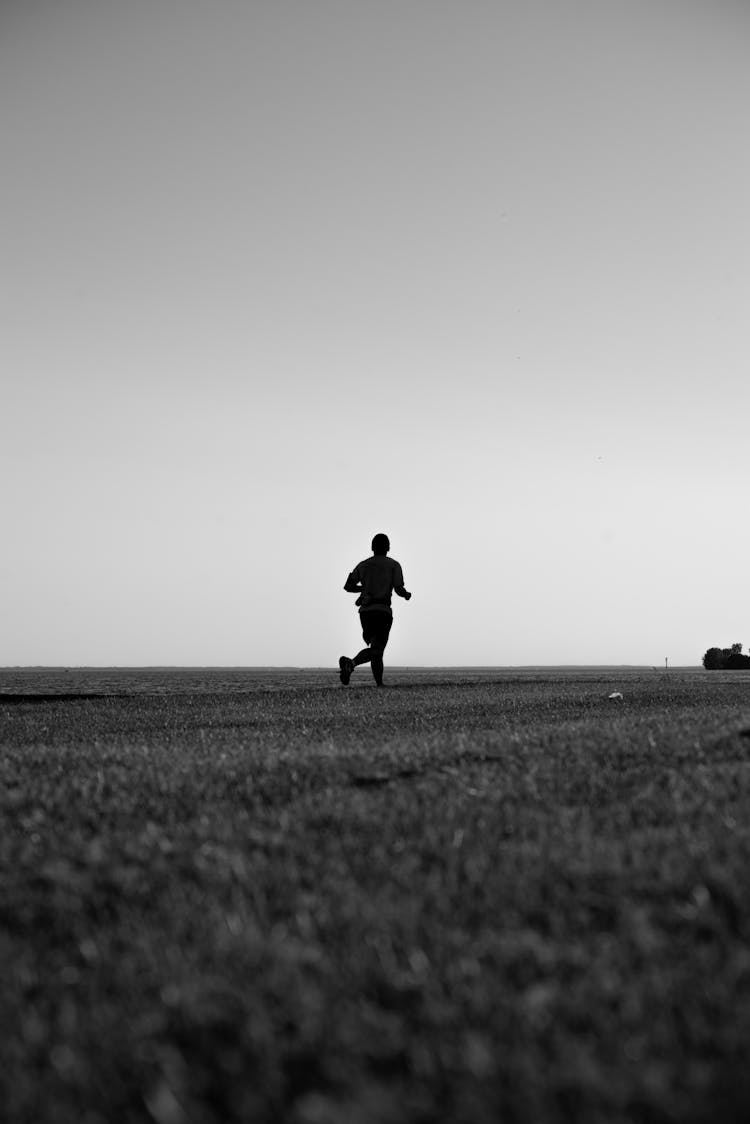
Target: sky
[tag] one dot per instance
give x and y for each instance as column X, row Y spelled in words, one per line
column 281, row 274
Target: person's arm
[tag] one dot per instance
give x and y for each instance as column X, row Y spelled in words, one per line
column 353, row 584
column 398, row 585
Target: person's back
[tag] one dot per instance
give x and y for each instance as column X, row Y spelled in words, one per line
column 378, row 577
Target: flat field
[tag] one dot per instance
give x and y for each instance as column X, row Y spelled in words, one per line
column 477, row 896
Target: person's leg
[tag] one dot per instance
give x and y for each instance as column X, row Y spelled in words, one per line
column 378, row 642
column 375, row 629
column 376, row 664
column 374, row 656
column 346, row 665
column 370, row 627
column 368, row 631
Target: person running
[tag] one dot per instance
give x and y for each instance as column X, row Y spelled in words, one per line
column 374, row 580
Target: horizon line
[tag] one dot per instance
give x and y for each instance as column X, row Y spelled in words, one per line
column 327, row 667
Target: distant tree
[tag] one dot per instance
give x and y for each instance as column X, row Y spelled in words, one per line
column 731, row 659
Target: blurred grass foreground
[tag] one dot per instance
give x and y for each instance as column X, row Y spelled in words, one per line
column 256, row 896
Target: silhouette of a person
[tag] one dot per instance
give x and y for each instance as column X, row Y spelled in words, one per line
column 374, row 580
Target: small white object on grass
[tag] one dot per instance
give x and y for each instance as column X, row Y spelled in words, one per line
column 615, row 695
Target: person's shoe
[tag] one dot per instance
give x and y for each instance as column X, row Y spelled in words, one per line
column 346, row 667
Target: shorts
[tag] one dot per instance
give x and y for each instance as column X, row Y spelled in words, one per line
column 376, row 627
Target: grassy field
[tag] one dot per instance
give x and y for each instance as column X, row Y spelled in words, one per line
column 475, row 897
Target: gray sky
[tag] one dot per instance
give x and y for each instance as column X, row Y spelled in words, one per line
column 279, row 275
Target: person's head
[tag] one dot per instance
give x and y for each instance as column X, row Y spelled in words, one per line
column 380, row 544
